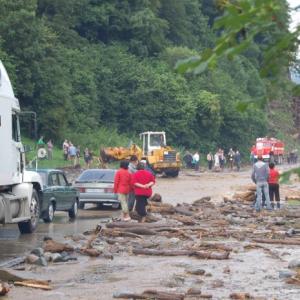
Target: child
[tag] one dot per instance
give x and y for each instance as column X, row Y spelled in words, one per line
column 274, row 185
column 122, row 187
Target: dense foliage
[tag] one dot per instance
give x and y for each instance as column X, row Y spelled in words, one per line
column 90, row 66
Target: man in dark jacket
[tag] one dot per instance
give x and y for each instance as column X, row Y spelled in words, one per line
column 260, row 176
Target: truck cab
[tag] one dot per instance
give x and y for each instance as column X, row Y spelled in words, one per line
column 160, row 157
column 19, row 189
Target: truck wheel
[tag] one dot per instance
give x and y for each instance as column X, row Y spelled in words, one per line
column 49, row 213
column 173, row 173
column 81, row 205
column 74, row 210
column 30, row 225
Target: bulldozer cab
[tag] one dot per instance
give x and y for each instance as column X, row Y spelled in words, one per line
column 152, row 140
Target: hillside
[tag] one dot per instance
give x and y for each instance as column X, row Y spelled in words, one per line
column 100, row 72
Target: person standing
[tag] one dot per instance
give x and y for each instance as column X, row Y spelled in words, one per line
column 122, row 187
column 65, row 149
column 210, row 160
column 40, row 142
column 237, row 160
column 77, row 155
column 142, row 182
column 87, row 158
column 133, row 162
column 196, row 160
column 217, row 162
column 231, row 158
column 274, row 185
column 72, row 154
column 260, row 176
column 50, row 150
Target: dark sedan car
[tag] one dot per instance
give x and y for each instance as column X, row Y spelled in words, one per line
column 97, row 186
column 57, row 194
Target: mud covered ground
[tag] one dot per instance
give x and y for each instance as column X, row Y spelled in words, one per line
column 252, row 268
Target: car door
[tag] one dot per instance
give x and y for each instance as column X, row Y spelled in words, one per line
column 55, row 189
column 67, row 196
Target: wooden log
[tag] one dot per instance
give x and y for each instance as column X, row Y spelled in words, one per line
column 200, row 201
column 214, row 246
column 183, row 211
column 4, row 288
column 278, row 241
column 118, row 233
column 240, row 296
column 119, row 225
column 90, row 252
column 150, row 294
column 38, row 284
column 54, row 247
column 186, row 220
column 13, row 262
column 9, row 275
column 164, row 210
column 139, row 230
column 197, row 254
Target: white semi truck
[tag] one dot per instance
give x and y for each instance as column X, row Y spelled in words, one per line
column 19, row 189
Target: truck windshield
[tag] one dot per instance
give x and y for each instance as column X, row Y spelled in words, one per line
column 157, row 140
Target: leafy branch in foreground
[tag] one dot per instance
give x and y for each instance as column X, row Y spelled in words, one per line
column 241, row 23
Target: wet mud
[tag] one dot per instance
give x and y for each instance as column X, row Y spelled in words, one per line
column 249, row 269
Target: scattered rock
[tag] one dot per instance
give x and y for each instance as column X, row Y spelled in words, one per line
column 4, row 288
column 217, row 283
column 295, row 263
column 286, row 274
column 38, row 252
column 56, row 257
column 31, row 258
column 195, row 271
column 194, row 291
column 155, row 198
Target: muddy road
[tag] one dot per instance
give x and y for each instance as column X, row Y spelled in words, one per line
column 188, row 187
column 256, row 271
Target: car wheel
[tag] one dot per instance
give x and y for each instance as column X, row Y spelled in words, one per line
column 81, row 205
column 100, row 205
column 74, row 210
column 30, row 226
column 49, row 214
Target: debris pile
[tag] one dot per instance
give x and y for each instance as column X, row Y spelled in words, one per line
column 202, row 230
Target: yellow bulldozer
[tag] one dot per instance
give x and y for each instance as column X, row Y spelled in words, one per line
column 160, row 157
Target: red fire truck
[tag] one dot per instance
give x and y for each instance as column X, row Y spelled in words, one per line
column 268, row 147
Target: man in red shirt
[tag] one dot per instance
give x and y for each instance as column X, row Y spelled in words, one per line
column 122, row 187
column 274, row 185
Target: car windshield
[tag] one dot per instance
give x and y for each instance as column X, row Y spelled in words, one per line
column 43, row 177
column 97, row 176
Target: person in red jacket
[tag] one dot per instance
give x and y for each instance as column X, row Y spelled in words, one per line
column 142, row 182
column 122, row 187
column 274, row 185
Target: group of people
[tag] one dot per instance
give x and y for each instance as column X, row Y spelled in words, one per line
column 266, row 178
column 216, row 162
column 133, row 185
column 73, row 153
